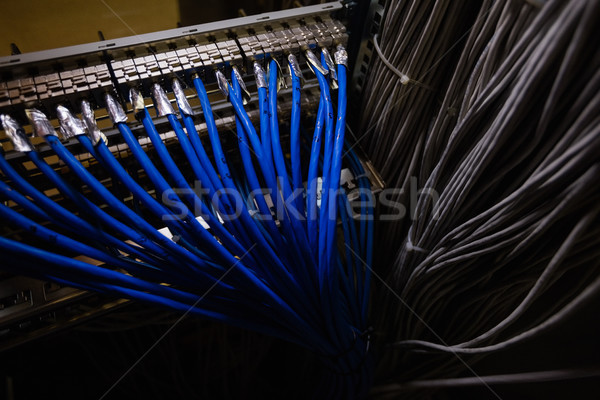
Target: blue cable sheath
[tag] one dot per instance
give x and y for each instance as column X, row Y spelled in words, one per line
column 163, row 187
column 175, row 224
column 19, row 263
column 222, row 202
column 228, row 258
column 192, row 200
column 191, row 260
column 70, row 221
column 323, row 213
column 297, row 185
column 312, row 211
column 336, row 165
column 245, row 218
column 206, row 182
column 9, row 193
column 254, row 185
column 62, row 263
column 90, row 208
column 205, row 162
column 218, row 152
column 265, row 132
column 298, row 234
column 333, row 185
column 48, row 235
column 252, row 179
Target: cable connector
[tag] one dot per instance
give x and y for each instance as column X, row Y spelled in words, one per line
column 314, row 63
column 70, row 126
column 330, row 64
column 294, row 67
column 16, row 134
column 341, row 56
column 181, row 99
column 222, row 82
column 280, row 79
column 38, row 120
column 246, row 97
column 161, row 101
column 89, row 119
column 137, row 100
column 115, row 111
column 259, row 75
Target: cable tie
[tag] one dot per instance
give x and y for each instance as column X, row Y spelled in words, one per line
column 411, row 247
column 404, row 79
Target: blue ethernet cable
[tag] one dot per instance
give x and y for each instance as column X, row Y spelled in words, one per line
column 222, row 204
column 296, row 165
column 254, row 185
column 298, row 231
column 336, row 164
column 57, row 239
column 250, row 277
column 312, row 211
column 268, row 173
column 118, row 116
column 21, row 143
column 65, row 218
column 164, row 108
column 264, row 213
column 263, row 107
column 218, row 151
column 192, row 199
column 43, row 128
column 221, row 232
column 20, row 261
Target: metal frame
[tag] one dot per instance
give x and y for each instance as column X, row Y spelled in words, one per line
column 166, row 35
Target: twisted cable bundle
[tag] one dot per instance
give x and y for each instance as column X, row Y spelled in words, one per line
column 491, row 137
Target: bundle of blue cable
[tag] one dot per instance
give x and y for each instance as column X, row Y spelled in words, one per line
column 266, row 245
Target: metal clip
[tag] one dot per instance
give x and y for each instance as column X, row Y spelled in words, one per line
column 246, row 97
column 329, row 62
column 260, row 76
column 294, row 67
column 16, row 134
column 222, row 82
column 41, row 126
column 280, row 79
column 341, row 56
column 115, row 111
column 161, row 101
column 89, row 119
column 314, row 63
column 182, row 102
column 136, row 100
column 70, row 126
